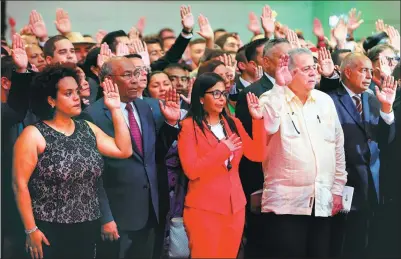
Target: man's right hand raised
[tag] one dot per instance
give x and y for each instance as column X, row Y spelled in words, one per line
column 109, row 231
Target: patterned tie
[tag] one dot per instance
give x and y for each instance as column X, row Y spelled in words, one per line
column 358, row 104
column 134, row 128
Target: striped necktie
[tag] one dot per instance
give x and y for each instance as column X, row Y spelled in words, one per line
column 358, row 104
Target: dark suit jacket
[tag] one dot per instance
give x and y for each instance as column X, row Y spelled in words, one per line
column 157, row 115
column 251, row 173
column 131, row 184
column 362, row 142
column 173, row 55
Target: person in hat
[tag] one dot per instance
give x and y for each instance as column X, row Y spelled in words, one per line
column 82, row 45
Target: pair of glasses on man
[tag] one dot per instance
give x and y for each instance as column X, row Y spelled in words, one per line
column 136, row 73
column 392, row 61
column 217, row 94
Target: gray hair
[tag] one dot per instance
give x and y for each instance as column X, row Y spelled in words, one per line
column 107, row 68
column 272, row 43
column 349, row 61
column 295, row 52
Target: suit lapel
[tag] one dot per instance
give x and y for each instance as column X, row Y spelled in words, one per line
column 349, row 106
column 266, row 83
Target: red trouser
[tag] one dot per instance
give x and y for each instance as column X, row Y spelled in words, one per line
column 213, row 235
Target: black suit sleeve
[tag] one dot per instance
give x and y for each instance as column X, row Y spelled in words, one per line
column 101, row 193
column 18, row 97
column 386, row 134
column 173, row 55
column 242, row 112
column 328, row 85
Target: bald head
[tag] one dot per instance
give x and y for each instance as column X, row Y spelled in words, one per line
column 356, row 72
column 110, row 66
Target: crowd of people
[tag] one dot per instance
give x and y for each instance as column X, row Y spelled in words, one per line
column 126, row 145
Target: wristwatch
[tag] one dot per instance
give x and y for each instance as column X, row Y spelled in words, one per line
column 187, row 32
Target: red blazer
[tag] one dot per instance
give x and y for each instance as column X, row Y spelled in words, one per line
column 211, row 186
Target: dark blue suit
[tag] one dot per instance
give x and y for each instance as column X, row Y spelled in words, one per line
column 362, row 141
column 132, row 184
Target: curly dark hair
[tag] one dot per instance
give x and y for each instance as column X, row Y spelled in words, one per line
column 45, row 84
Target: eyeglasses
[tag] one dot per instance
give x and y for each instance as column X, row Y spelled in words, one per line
column 144, row 68
column 130, row 74
column 392, row 61
column 183, row 79
column 217, row 94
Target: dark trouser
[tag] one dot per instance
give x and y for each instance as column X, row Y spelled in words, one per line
column 356, row 235
column 70, row 240
column 254, row 234
column 132, row 244
column 296, row 236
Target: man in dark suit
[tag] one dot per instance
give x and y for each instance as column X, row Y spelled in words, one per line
column 266, row 55
column 131, row 204
column 368, row 124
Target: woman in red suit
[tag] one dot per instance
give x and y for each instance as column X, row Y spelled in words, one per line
column 210, row 146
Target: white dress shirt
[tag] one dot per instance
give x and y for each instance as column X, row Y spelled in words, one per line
column 125, row 113
column 305, row 161
column 244, row 82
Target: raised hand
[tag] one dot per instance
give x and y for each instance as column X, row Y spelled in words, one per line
column 37, row 25
column 100, row 35
column 381, row 71
column 292, row 37
column 253, row 106
column 19, row 55
column 111, row 95
column 26, row 30
column 394, row 37
column 259, row 73
column 233, row 142
column 104, row 55
column 354, row 20
column 380, row 27
column 33, row 244
column 63, row 22
column 230, row 64
column 283, row 76
column 140, row 25
column 121, row 49
column 326, row 65
column 340, row 33
column 205, row 30
column 318, row 28
column 133, row 33
column 387, row 93
column 170, row 109
column 267, row 20
column 280, row 30
column 187, row 18
column 253, row 25
column 139, row 47
column 187, row 98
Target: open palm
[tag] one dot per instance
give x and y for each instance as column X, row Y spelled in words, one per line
column 206, row 30
column 187, row 18
column 388, row 90
column 253, row 106
column 63, row 23
column 37, row 25
column 171, row 107
column 19, row 55
column 111, row 95
column 283, row 76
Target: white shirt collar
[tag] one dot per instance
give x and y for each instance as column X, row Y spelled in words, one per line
column 272, row 79
column 244, row 82
column 349, row 91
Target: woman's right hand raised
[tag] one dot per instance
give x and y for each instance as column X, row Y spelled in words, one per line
column 33, row 244
column 233, row 142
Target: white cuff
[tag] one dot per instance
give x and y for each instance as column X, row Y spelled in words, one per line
column 387, row 117
column 187, row 36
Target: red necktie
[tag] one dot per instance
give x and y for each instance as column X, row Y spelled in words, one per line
column 134, row 128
